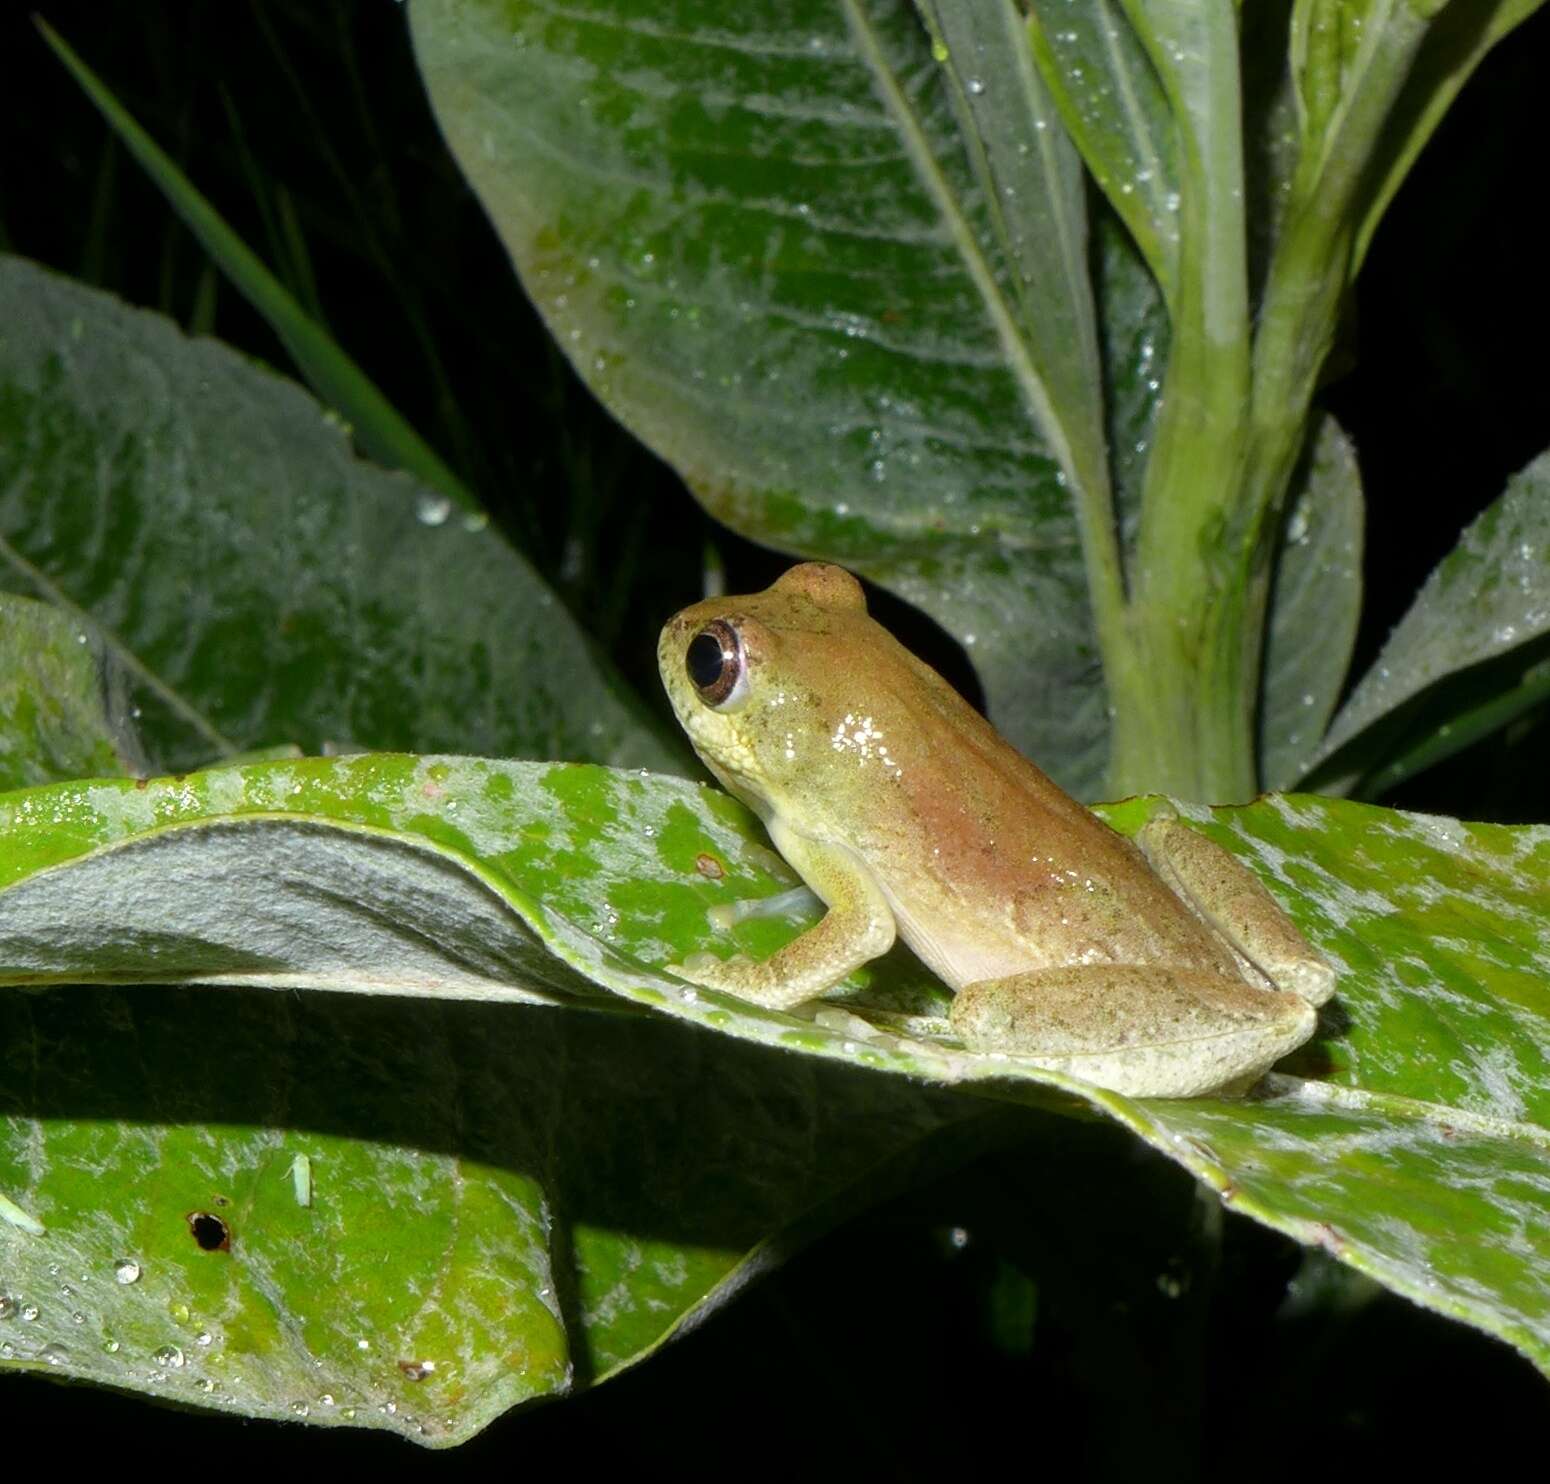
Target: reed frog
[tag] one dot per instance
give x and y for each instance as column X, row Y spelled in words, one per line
column 1156, row 968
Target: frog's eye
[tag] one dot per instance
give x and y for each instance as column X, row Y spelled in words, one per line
column 717, row 667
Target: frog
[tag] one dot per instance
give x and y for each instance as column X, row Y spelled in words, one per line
column 1153, row 966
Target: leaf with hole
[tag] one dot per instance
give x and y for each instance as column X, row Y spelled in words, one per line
column 1409, row 1139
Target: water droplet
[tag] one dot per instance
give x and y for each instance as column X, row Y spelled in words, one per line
column 169, row 1356
column 475, row 521
column 431, row 509
column 976, row 86
column 301, row 1409
column 54, row 1354
column 179, row 1313
column 28, row 1313
column 939, row 51
column 7, row 1306
column 126, row 1270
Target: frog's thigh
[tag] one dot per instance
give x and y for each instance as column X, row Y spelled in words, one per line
column 858, row 926
column 1230, row 897
column 1137, row 1029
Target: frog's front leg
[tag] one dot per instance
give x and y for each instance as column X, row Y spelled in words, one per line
column 858, row 926
column 1138, row 1029
column 1231, row 899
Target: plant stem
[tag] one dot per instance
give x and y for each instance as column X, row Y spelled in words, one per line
column 1183, row 718
column 1229, row 439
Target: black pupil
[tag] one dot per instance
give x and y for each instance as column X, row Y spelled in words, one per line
column 705, row 660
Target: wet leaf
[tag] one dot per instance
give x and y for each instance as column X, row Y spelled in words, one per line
column 1315, row 604
column 765, row 240
column 206, row 521
column 1488, row 600
column 1409, row 1138
column 64, row 709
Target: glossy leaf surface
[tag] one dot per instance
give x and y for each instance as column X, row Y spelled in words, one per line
column 764, row 240
column 1411, row 1143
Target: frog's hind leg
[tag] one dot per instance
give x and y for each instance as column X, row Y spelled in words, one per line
column 1231, row 899
column 1135, row 1029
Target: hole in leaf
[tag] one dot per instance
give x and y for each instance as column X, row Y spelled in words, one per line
column 212, row 1234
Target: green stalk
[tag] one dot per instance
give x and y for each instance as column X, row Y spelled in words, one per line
column 1230, row 436
column 1184, row 706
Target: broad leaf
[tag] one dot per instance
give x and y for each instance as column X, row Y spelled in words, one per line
column 763, row 239
column 1315, row 603
column 64, row 709
column 1487, row 601
column 1427, row 1120
column 207, row 522
column 400, row 1216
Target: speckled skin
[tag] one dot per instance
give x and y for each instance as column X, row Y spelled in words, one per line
column 904, row 810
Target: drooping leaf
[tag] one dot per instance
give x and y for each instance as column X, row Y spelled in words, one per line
column 1487, row 601
column 409, row 1217
column 261, row 585
column 333, row 375
column 1315, row 603
column 1420, row 1112
column 759, row 234
column 64, row 709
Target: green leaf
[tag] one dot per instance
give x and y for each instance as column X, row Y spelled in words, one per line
column 1415, row 57
column 1111, row 100
column 381, row 431
column 1487, row 600
column 1033, row 210
column 1194, row 49
column 762, row 237
column 64, row 709
column 260, row 584
column 430, row 1212
column 1427, row 1119
column 1315, row 604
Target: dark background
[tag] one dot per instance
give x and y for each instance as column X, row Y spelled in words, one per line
column 1077, row 1308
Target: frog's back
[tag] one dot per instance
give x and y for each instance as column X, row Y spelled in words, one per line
column 990, row 868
